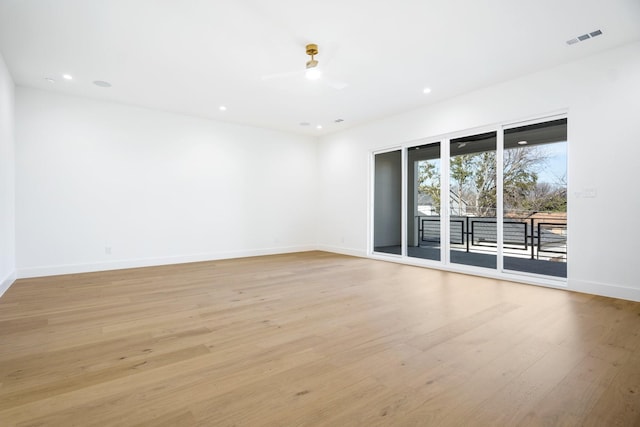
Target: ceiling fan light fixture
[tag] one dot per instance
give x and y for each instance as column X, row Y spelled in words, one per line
column 312, row 72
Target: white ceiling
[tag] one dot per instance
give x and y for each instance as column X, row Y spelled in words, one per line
column 191, row 56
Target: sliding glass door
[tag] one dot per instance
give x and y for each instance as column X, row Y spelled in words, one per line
column 535, row 198
column 493, row 200
column 472, row 200
column 387, row 203
column 423, row 201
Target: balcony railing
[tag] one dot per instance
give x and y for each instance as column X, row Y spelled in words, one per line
column 535, row 237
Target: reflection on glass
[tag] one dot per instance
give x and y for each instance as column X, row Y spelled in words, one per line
column 535, row 198
column 423, row 202
column 472, row 200
column 387, row 203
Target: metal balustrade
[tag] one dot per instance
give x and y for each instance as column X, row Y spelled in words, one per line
column 526, row 236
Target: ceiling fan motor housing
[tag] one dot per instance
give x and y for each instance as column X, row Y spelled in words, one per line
column 312, row 49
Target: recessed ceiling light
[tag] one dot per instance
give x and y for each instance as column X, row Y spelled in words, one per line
column 426, row 90
column 319, row 127
column 523, row 142
column 102, row 83
column 49, row 79
column 223, row 108
column 67, row 77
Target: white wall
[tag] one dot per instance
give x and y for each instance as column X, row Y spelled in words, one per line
column 602, row 97
column 7, row 188
column 153, row 187
column 162, row 188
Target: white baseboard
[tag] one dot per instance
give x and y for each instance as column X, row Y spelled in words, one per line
column 583, row 286
column 605, row 289
column 6, row 283
column 56, row 270
column 342, row 251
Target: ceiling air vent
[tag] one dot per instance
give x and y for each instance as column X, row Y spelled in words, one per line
column 584, row 37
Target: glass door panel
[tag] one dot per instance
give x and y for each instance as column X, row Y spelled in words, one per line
column 535, row 198
column 423, row 202
column 387, row 203
column 472, row 200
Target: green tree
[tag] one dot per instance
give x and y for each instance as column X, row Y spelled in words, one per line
column 545, row 197
column 462, row 171
column 429, row 181
column 485, row 182
column 473, row 181
column 521, row 167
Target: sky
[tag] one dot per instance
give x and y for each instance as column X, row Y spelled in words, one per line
column 554, row 170
column 556, row 166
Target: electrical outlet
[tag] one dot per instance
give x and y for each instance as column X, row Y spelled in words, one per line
column 107, row 250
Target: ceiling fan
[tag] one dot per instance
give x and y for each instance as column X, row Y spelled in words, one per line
column 312, row 70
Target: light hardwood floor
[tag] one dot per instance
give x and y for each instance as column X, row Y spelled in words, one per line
column 312, row 339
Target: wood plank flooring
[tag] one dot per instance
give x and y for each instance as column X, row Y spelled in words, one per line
column 312, row 339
